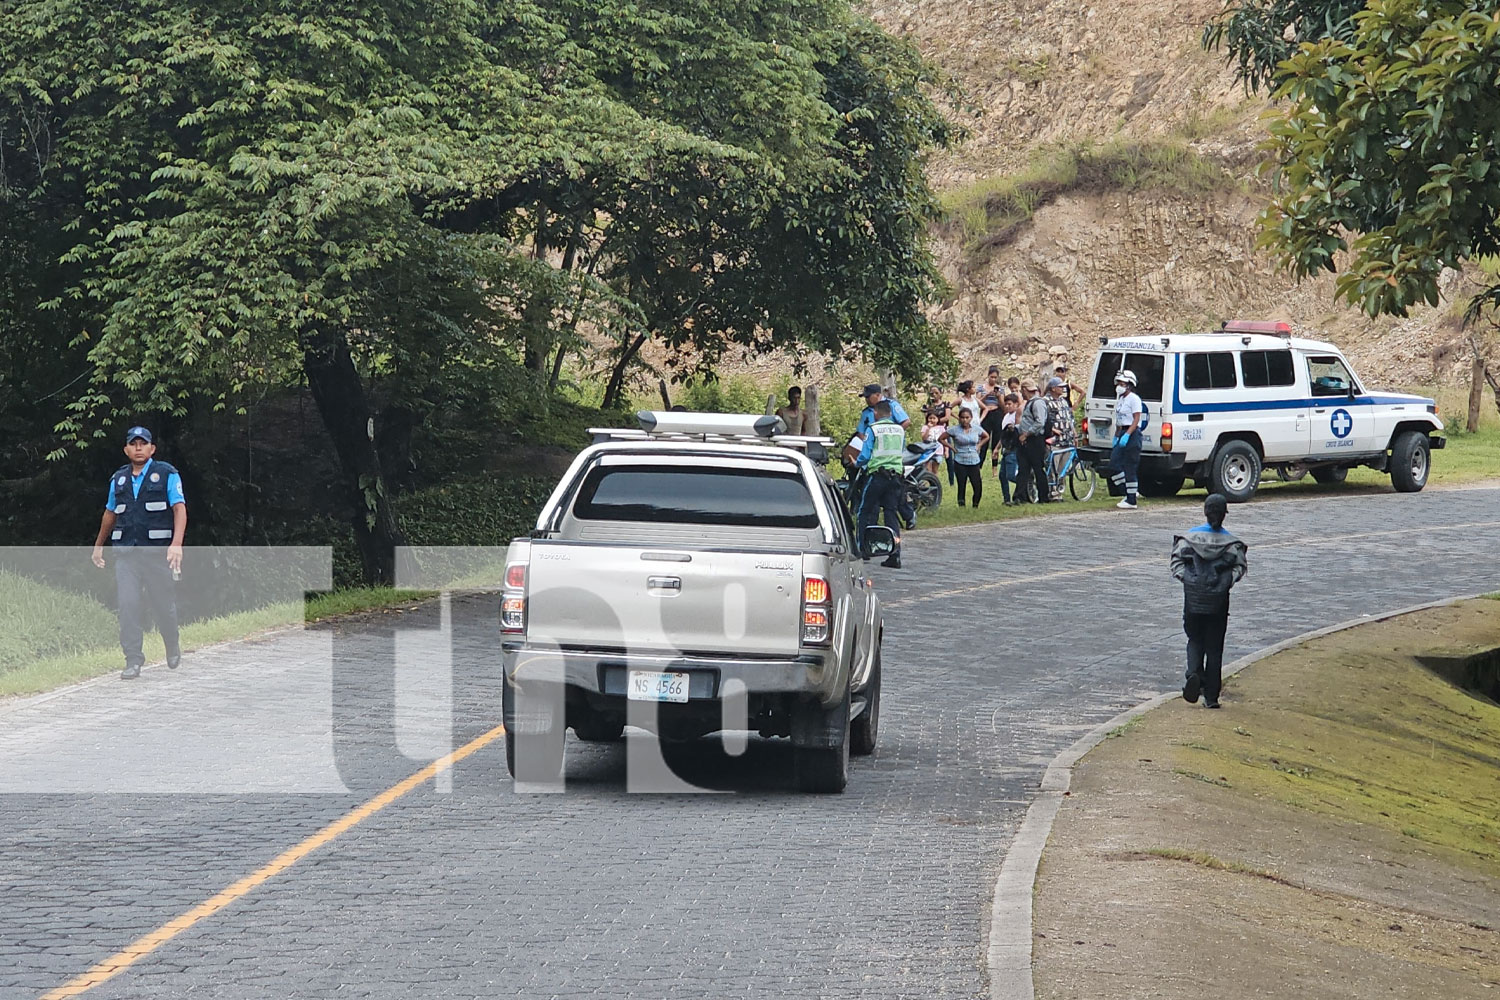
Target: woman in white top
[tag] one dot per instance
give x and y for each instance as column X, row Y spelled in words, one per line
column 968, row 399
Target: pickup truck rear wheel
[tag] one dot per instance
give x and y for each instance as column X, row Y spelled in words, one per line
column 865, row 728
column 1235, row 471
column 542, row 749
column 825, row 769
column 1411, row 460
column 593, row 728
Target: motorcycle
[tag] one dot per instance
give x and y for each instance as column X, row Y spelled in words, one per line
column 924, row 490
column 920, row 463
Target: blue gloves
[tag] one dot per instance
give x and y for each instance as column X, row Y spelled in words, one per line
column 1120, row 440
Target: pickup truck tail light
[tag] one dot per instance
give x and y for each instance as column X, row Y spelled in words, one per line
column 513, row 600
column 1166, row 437
column 817, row 611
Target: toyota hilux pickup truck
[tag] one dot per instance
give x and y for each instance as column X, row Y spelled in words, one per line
column 697, row 575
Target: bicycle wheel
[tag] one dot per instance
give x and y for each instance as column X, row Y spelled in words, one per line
column 1082, row 481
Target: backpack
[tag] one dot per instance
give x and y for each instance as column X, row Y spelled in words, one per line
column 1046, row 410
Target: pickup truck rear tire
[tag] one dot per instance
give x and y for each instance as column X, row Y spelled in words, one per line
column 824, row 769
column 1411, row 460
column 1234, row 471
column 544, row 751
column 865, row 728
column 593, row 728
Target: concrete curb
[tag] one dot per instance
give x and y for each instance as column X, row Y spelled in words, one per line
column 1009, row 955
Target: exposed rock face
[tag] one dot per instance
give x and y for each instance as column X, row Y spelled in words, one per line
column 1047, row 72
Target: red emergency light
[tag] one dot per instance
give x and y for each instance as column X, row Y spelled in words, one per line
column 1276, row 329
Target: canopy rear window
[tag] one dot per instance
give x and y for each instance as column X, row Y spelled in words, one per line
column 680, row 494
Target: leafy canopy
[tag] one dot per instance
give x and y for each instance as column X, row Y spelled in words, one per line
column 1386, row 147
column 1256, row 35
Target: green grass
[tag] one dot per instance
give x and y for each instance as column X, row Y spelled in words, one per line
column 990, row 212
column 41, row 666
column 1351, row 725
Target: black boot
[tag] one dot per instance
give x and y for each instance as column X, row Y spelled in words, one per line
column 892, row 561
column 1190, row 687
column 131, row 672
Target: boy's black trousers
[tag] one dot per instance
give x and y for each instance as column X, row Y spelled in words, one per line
column 1205, row 649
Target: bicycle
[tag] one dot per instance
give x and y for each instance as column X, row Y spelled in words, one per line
column 1064, row 466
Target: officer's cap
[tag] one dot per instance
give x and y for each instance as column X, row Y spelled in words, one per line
column 138, row 432
column 872, row 388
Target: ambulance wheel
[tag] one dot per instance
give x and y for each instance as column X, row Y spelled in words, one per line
column 1165, row 486
column 1235, row 471
column 1411, row 460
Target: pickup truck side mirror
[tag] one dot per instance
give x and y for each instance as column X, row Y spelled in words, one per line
column 879, row 541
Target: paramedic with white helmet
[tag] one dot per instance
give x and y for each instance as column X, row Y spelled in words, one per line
column 1125, row 456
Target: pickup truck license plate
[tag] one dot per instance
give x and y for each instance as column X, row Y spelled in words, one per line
column 648, row 685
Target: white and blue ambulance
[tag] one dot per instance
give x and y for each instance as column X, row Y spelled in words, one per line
column 1227, row 406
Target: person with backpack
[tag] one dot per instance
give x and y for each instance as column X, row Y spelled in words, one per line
column 1034, row 427
column 1208, row 561
column 1125, row 455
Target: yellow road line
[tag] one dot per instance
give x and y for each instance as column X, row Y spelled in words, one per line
column 140, row 948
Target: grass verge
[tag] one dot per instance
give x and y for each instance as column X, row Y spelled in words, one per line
column 51, row 672
column 1353, row 726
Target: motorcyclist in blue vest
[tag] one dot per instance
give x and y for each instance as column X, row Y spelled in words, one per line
column 145, row 518
column 881, row 453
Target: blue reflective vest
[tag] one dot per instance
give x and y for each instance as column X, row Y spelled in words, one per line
column 144, row 518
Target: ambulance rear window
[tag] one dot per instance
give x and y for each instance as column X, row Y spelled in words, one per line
column 1148, row 369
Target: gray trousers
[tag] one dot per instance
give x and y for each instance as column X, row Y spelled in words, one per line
column 143, row 579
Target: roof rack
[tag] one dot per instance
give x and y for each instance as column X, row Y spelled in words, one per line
column 714, row 428
column 1274, row 328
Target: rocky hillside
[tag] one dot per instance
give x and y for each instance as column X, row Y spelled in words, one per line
column 1108, row 187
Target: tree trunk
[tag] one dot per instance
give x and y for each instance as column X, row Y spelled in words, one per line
column 393, row 434
column 616, row 385
column 535, row 318
column 1476, row 394
column 340, row 396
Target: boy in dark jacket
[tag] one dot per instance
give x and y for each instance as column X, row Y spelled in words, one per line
column 1208, row 560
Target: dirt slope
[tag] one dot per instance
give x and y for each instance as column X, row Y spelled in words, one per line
column 1045, row 73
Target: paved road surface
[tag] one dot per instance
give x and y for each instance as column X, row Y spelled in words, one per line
column 1004, row 642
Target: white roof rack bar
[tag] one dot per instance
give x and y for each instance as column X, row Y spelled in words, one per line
column 711, row 428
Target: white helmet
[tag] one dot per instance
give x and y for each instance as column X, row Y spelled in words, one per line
column 1127, row 376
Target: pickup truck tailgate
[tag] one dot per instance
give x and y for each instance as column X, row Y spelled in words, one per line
column 690, row 601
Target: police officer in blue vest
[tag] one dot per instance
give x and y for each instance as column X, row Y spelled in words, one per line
column 145, row 517
column 884, row 444
column 873, row 395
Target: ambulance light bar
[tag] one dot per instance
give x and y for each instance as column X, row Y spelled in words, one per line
column 1275, row 329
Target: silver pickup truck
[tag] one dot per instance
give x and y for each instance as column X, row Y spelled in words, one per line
column 698, row 575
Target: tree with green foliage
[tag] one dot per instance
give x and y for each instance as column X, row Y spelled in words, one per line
column 385, row 202
column 1387, row 168
column 1256, row 35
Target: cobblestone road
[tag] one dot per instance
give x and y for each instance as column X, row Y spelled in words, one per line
column 1003, row 643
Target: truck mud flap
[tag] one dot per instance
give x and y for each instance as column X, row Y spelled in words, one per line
column 816, row 726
